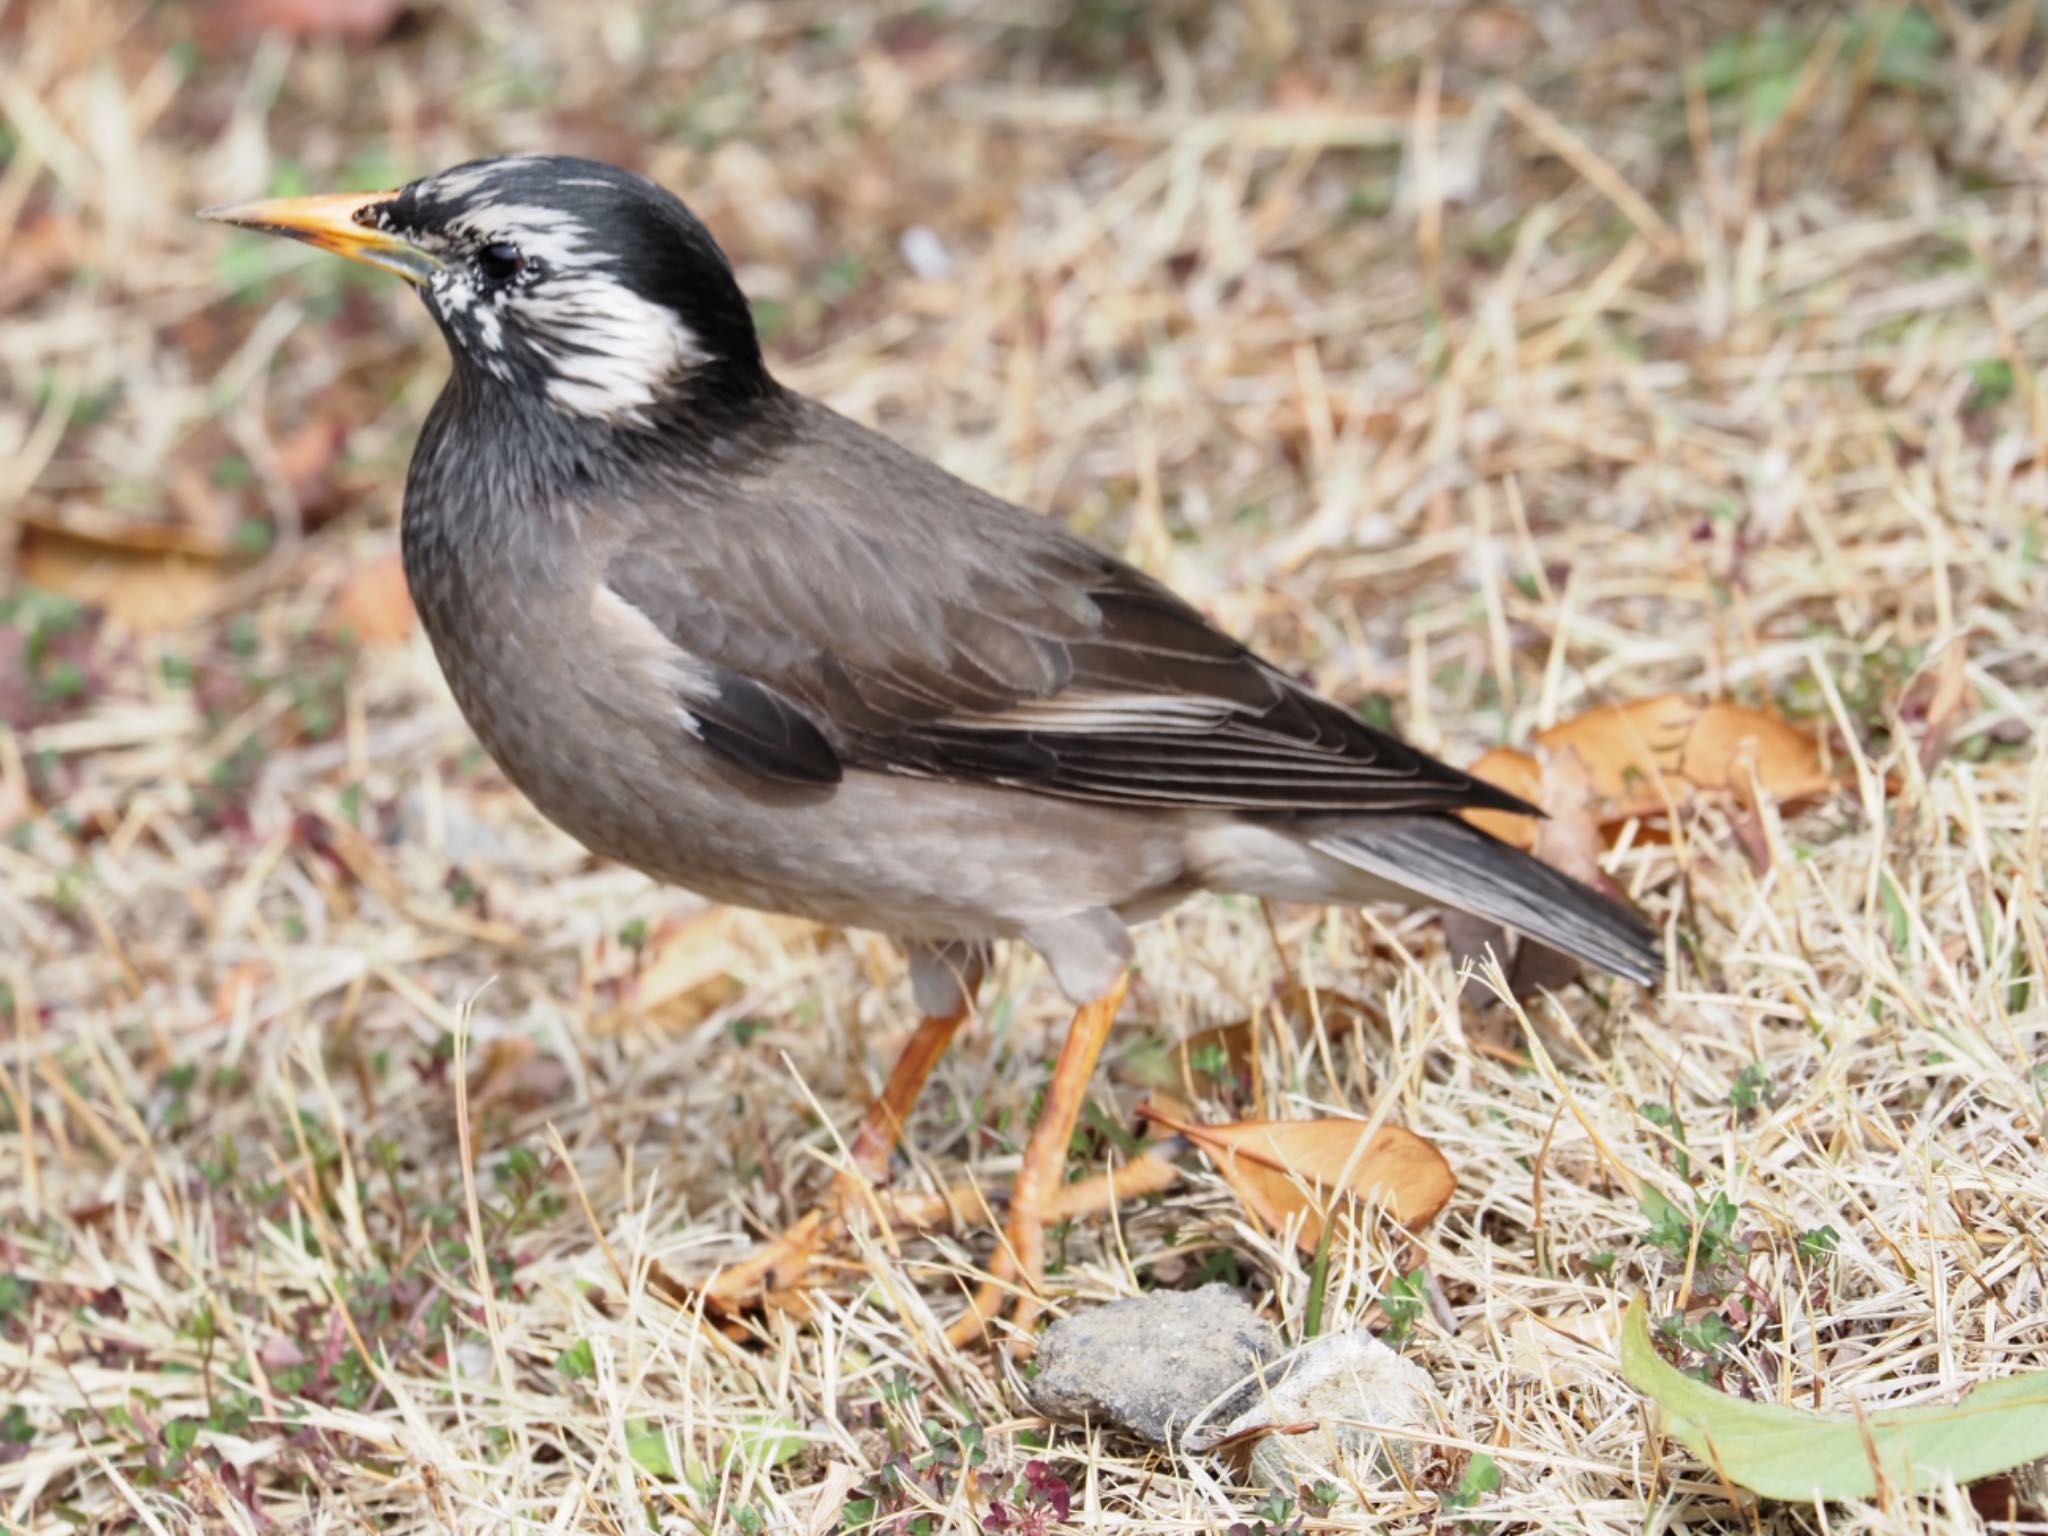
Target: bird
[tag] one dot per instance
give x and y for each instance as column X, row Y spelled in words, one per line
column 725, row 635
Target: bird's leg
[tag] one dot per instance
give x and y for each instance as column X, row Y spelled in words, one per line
column 882, row 1126
column 1022, row 1256
column 781, row 1264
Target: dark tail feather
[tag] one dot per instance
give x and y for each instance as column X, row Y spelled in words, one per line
column 1456, row 865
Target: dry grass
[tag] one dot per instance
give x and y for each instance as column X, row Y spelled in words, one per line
column 1461, row 355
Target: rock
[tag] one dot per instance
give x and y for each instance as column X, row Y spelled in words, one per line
column 1339, row 1381
column 1153, row 1364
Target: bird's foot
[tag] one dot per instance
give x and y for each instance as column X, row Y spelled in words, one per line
column 805, row 1253
column 778, row 1274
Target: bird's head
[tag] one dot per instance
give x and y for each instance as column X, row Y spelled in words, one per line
column 583, row 287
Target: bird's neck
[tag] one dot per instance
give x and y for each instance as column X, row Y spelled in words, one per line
column 498, row 468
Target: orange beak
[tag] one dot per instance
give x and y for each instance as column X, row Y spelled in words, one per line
column 335, row 222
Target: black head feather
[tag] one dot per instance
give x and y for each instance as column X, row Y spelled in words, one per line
column 587, row 287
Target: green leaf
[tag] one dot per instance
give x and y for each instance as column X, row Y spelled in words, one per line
column 767, row 1441
column 1482, row 1476
column 1670, row 1228
column 648, row 1447
column 1318, row 1284
column 1789, row 1453
column 1894, row 904
column 1818, row 1242
column 578, row 1361
column 1403, row 1305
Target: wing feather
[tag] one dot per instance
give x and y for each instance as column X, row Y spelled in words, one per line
column 941, row 632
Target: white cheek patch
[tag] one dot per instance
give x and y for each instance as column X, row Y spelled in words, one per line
column 453, row 291
column 603, row 351
column 610, row 353
column 489, row 329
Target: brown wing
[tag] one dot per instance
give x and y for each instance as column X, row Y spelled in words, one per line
column 925, row 628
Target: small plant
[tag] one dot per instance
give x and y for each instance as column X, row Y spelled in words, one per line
column 1283, row 1514
column 1699, row 1346
column 1752, row 1088
column 1402, row 1306
column 1816, row 1243
column 578, row 1362
column 1665, row 1119
column 1480, row 1478
column 925, row 1467
column 1039, row 1500
column 1705, row 1238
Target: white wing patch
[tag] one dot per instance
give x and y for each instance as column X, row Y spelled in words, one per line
column 638, row 642
column 1085, row 712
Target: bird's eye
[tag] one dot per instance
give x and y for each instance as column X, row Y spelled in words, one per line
column 500, row 262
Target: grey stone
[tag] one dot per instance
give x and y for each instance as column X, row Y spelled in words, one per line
column 1340, row 1382
column 1152, row 1364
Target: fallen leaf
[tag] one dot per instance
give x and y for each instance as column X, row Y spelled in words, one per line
column 203, row 527
column 142, row 587
column 683, row 975
column 240, row 982
column 1296, row 90
column 1941, row 702
column 1790, row 1453
column 1340, row 1012
column 374, row 603
column 365, row 21
column 1647, row 758
column 306, row 459
column 647, row 1444
column 41, row 246
column 1284, row 1169
column 517, row 1075
column 767, row 1440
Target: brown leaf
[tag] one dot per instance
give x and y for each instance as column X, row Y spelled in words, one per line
column 1646, row 758
column 40, row 247
column 366, row 21
column 1284, row 1169
column 240, row 981
column 683, row 974
column 1570, row 840
column 203, row 527
column 144, row 589
column 1941, row 700
column 518, row 1075
column 374, row 604
column 307, row 459
column 1340, row 1012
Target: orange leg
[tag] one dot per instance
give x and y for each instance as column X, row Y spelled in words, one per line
column 1032, row 1200
column 778, row 1268
column 882, row 1126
